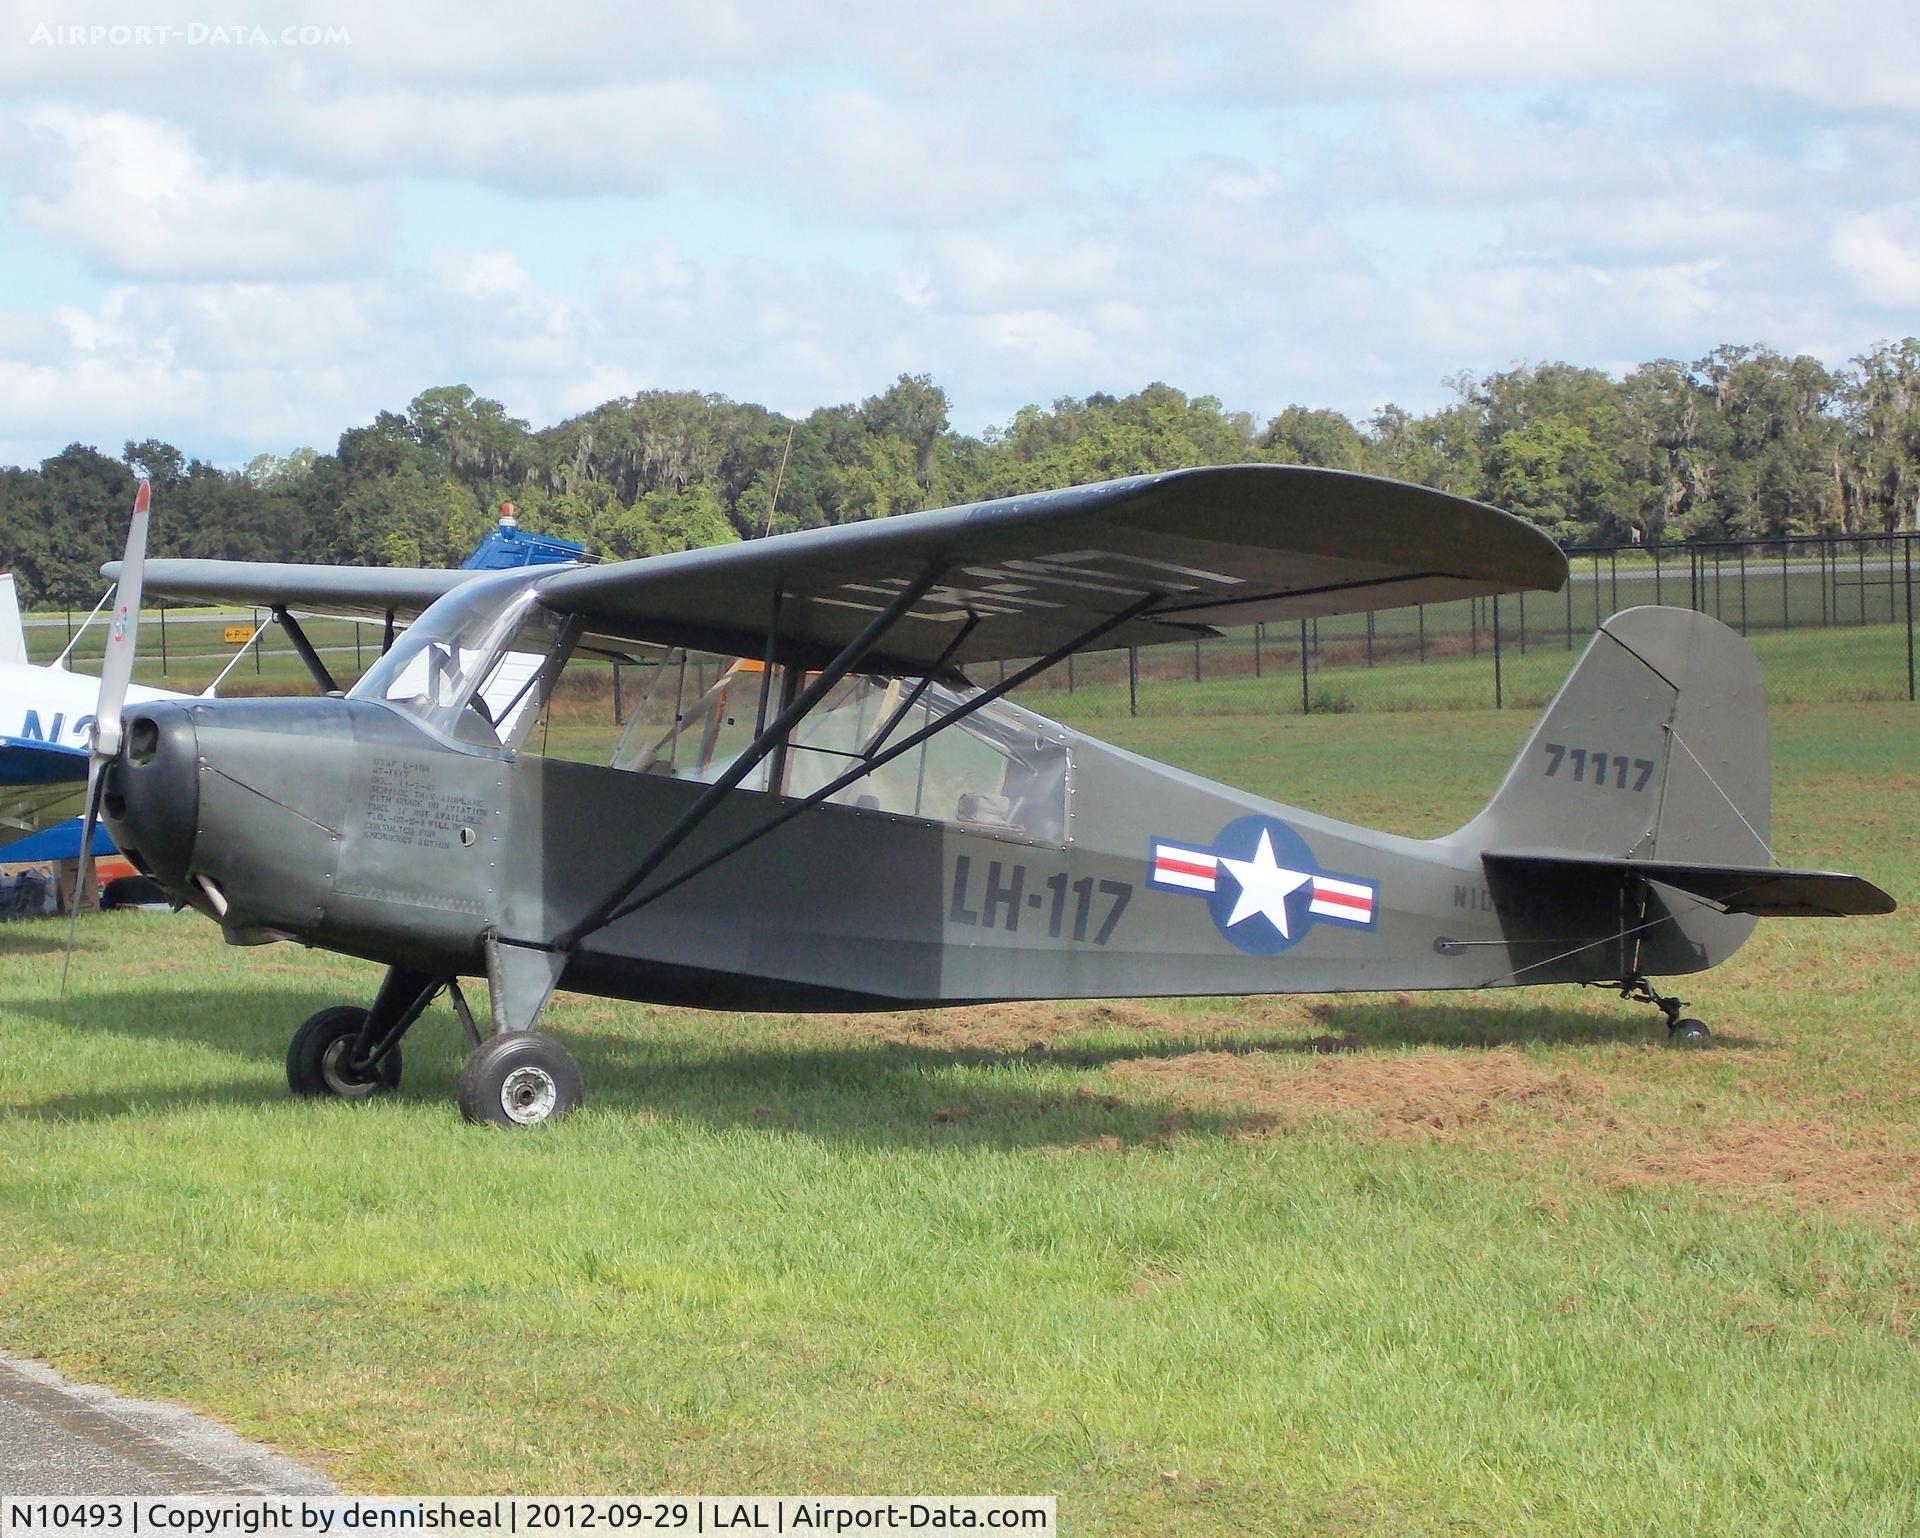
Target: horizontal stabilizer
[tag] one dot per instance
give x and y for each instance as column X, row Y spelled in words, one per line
column 1763, row 891
column 30, row 761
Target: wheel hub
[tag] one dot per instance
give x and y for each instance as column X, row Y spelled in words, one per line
column 528, row 1095
column 341, row 1080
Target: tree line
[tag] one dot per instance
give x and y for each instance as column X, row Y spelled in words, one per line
column 1745, row 442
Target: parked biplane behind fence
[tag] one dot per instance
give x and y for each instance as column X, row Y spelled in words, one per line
column 814, row 808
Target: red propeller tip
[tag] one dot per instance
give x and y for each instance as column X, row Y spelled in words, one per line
column 142, row 497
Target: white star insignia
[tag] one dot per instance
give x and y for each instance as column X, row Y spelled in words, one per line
column 1264, row 886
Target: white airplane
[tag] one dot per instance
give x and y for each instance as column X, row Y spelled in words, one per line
column 45, row 714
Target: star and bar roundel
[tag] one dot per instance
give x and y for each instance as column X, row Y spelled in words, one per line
column 1262, row 885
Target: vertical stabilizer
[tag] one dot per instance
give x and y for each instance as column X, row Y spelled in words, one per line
column 13, row 637
column 1655, row 747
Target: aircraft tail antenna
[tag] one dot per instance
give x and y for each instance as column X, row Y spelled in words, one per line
column 116, row 672
column 773, row 502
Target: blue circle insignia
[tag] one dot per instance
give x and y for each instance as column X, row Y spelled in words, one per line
column 1264, row 886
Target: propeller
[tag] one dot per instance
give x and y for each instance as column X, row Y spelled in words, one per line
column 116, row 672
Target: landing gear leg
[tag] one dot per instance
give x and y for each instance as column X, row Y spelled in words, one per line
column 1682, row 1031
column 519, row 1078
column 350, row 1053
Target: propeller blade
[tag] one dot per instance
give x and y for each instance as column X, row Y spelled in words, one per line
column 96, row 781
column 116, row 672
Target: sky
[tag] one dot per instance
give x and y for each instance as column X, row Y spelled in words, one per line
column 246, row 229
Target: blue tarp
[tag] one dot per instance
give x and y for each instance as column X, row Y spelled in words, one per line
column 505, row 548
column 59, row 842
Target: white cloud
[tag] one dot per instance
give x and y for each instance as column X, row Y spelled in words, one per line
column 629, row 139
column 136, row 198
column 1880, row 252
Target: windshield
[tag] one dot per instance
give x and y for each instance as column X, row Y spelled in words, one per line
column 468, row 668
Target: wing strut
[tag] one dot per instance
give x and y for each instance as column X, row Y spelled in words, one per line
column 305, row 648
column 619, row 906
column 684, row 825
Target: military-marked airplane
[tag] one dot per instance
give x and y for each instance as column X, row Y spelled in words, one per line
column 814, row 808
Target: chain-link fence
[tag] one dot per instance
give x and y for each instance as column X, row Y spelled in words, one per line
column 186, row 649
column 1829, row 618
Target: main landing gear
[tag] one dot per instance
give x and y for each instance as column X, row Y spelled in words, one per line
column 1682, row 1031
column 513, row 1078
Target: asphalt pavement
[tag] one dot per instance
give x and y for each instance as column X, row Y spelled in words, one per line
column 64, row 1439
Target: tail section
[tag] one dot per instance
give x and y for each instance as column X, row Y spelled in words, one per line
column 1651, row 761
column 1654, row 748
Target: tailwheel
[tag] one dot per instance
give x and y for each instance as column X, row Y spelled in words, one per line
column 519, row 1079
column 319, row 1058
column 1682, row 1031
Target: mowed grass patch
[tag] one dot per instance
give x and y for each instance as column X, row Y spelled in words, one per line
column 1367, row 1264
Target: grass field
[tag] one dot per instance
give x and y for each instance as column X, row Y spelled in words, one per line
column 1375, row 1265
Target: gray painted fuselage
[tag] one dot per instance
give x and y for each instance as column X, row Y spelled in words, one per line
column 342, row 824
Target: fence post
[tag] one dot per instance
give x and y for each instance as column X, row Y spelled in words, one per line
column 1613, row 592
column 1369, row 638
column 1069, row 672
column 1473, row 627
column 1743, row 590
column 163, row 643
column 619, row 717
column 1196, row 659
column 1569, row 592
column 359, row 666
column 256, row 640
column 1910, row 619
column 1821, row 551
column 1306, row 705
column 1258, row 631
column 69, row 625
column 1523, row 620
column 1786, row 613
column 1133, row 680
column 1420, row 611
column 1499, row 701
column 1656, row 574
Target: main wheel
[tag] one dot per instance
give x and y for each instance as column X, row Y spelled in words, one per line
column 317, row 1057
column 519, row 1080
column 1689, row 1033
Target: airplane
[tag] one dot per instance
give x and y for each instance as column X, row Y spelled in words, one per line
column 46, row 711
column 814, row 808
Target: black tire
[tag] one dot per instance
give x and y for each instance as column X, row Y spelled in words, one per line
column 519, row 1080
column 1689, row 1033
column 316, row 1058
